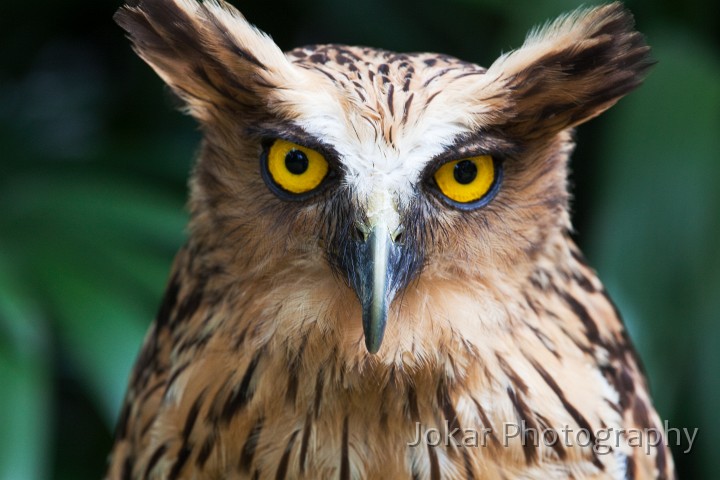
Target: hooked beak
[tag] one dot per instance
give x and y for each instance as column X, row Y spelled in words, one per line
column 376, row 280
column 379, row 264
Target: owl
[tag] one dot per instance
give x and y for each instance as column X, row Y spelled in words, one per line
column 379, row 280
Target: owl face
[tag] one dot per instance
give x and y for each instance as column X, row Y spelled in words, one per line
column 384, row 169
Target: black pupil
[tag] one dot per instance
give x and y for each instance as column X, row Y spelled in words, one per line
column 465, row 172
column 296, row 162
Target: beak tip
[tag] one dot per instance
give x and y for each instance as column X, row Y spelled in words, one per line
column 372, row 345
column 374, row 330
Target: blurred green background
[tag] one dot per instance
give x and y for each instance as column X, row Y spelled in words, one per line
column 93, row 168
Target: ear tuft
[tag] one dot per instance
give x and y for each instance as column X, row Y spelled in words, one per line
column 571, row 69
column 206, row 52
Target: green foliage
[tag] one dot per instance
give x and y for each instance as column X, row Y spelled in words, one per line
column 653, row 233
column 92, row 185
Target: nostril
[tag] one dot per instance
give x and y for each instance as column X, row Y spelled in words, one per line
column 397, row 235
column 361, row 232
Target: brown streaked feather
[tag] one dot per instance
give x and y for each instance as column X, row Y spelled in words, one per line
column 255, row 365
column 203, row 51
column 571, row 70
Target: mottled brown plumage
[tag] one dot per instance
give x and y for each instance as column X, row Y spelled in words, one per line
column 257, row 365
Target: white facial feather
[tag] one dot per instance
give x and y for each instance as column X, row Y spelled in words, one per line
column 374, row 164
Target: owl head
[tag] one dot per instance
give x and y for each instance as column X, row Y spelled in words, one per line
column 381, row 185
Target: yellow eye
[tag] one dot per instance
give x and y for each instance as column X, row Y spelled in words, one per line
column 468, row 180
column 294, row 168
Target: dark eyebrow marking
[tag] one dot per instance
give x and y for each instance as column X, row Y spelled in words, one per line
column 472, row 144
column 292, row 133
